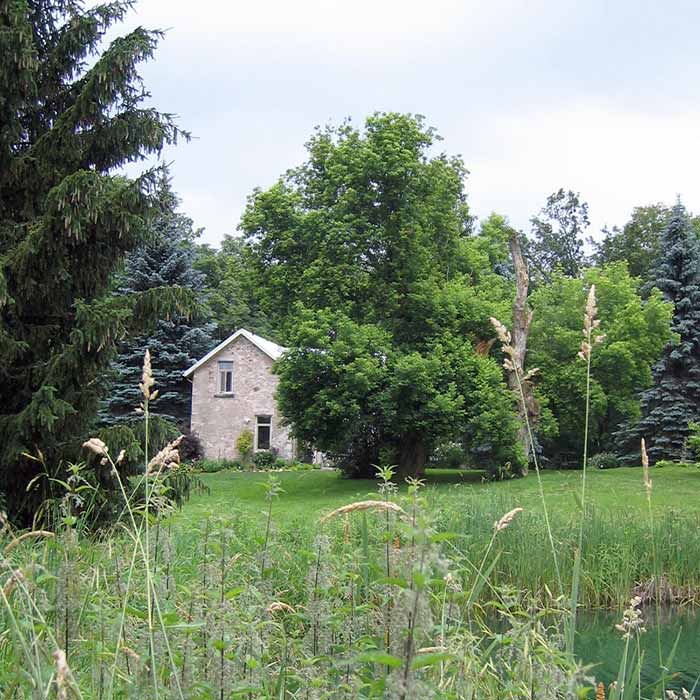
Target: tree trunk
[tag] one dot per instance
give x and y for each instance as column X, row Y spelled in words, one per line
column 522, row 318
column 413, row 454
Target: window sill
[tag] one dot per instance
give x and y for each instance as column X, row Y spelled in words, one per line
column 230, row 395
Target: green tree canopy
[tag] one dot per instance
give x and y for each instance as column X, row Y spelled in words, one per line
column 556, row 236
column 635, row 334
column 638, row 242
column 361, row 256
column 70, row 115
column 230, row 292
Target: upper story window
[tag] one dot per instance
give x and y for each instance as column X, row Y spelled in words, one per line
column 225, row 377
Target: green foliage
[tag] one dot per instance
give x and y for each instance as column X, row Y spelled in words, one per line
column 694, row 439
column 604, row 460
column 556, row 237
column 130, row 436
column 636, row 333
column 449, row 455
column 176, row 341
column 244, row 444
column 71, row 114
column 265, row 459
column 673, row 401
column 639, row 241
column 364, row 259
column 230, row 289
column 211, row 466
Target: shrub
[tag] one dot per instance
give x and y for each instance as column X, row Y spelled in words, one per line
column 190, row 447
column 264, row 460
column 244, row 444
column 210, row 466
column 449, row 455
column 604, row 460
column 670, row 463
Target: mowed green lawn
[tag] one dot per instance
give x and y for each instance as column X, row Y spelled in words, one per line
column 313, row 493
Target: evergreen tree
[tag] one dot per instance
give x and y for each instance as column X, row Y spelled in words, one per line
column 177, row 341
column 71, row 114
column 674, row 398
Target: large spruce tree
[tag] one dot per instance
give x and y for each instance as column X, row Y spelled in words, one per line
column 674, row 398
column 71, row 114
column 177, row 341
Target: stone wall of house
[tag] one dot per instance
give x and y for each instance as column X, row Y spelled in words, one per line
column 220, row 419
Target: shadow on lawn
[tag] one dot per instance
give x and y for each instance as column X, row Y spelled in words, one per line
column 455, row 476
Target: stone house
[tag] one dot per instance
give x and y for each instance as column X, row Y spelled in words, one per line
column 233, row 389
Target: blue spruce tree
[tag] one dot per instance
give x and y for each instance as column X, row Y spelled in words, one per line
column 177, row 341
column 674, row 398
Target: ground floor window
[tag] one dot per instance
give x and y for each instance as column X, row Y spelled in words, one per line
column 263, row 432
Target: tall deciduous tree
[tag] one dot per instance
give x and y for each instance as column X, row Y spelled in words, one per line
column 359, row 257
column 673, row 401
column 635, row 334
column 231, row 294
column 70, row 114
column 177, row 341
column 556, row 236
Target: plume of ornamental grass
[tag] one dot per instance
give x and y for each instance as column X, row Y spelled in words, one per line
column 511, row 364
column 506, row 520
column 147, row 380
column 167, row 458
column 363, row 505
column 590, row 323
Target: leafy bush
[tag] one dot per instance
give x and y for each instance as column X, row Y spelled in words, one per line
column 604, row 460
column 694, row 440
column 264, row 459
column 449, row 455
column 244, row 444
column 670, row 463
column 191, row 447
column 211, row 466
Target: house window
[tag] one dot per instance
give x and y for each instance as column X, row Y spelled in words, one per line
column 263, row 432
column 225, row 377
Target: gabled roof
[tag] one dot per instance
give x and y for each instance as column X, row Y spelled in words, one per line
column 271, row 349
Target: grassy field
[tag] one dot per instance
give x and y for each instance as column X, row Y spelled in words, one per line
column 243, row 596
column 311, row 494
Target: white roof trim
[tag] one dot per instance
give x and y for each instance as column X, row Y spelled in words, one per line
column 271, row 349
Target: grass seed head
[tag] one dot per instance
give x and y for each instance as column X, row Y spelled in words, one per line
column 363, row 505
column 147, row 380
column 94, row 444
column 645, row 467
column 507, row 519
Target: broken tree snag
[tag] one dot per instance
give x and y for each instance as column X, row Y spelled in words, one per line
column 522, row 318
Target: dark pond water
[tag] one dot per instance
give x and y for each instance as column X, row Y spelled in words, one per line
column 601, row 644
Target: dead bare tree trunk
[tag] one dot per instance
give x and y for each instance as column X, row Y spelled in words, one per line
column 528, row 410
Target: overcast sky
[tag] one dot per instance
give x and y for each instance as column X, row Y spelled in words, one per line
column 601, row 96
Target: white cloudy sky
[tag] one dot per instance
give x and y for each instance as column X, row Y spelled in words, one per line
column 600, row 96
